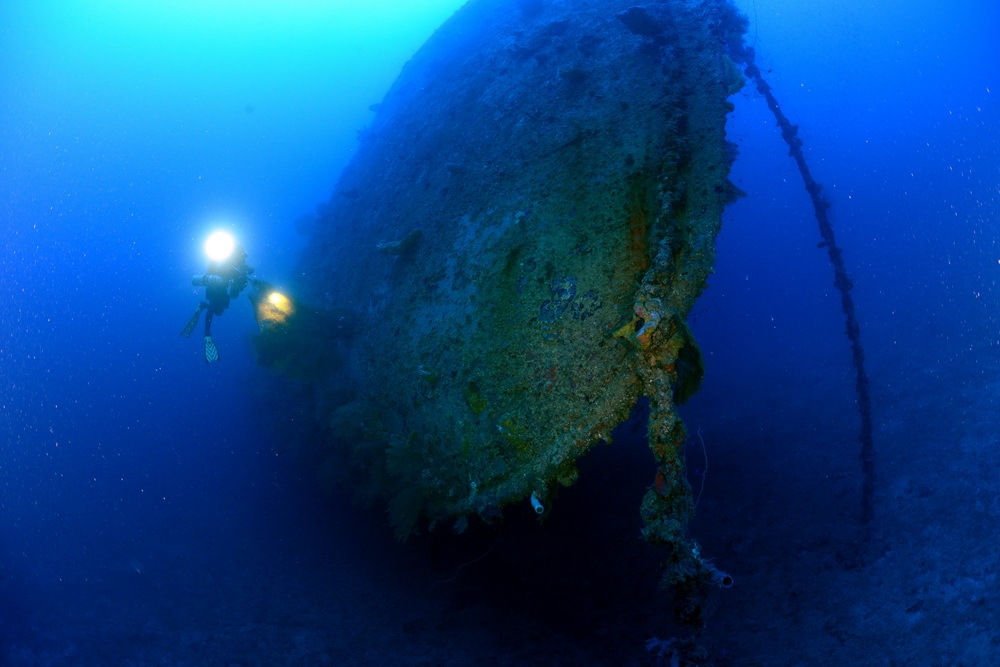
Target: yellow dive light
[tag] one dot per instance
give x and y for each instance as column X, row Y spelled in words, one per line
column 273, row 310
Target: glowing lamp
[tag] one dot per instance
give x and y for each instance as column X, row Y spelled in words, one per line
column 219, row 246
column 273, row 310
column 279, row 301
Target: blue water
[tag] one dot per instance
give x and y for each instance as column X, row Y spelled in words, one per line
column 148, row 514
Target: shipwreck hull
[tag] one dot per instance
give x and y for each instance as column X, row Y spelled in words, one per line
column 519, row 239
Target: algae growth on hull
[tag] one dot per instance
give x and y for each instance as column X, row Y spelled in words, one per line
column 518, row 241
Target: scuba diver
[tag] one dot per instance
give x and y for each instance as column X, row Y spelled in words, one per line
column 227, row 275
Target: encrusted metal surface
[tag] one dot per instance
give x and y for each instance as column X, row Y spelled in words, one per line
column 522, row 232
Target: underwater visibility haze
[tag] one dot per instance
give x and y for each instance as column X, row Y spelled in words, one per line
column 555, row 285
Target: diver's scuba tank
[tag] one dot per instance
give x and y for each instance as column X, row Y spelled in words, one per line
column 208, row 280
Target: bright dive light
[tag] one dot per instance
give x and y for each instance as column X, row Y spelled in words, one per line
column 279, row 301
column 219, row 246
column 273, row 310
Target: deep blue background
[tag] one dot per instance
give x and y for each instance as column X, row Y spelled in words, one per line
column 127, row 133
column 897, row 103
column 130, row 130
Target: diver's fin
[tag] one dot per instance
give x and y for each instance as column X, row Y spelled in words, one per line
column 192, row 323
column 211, row 351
